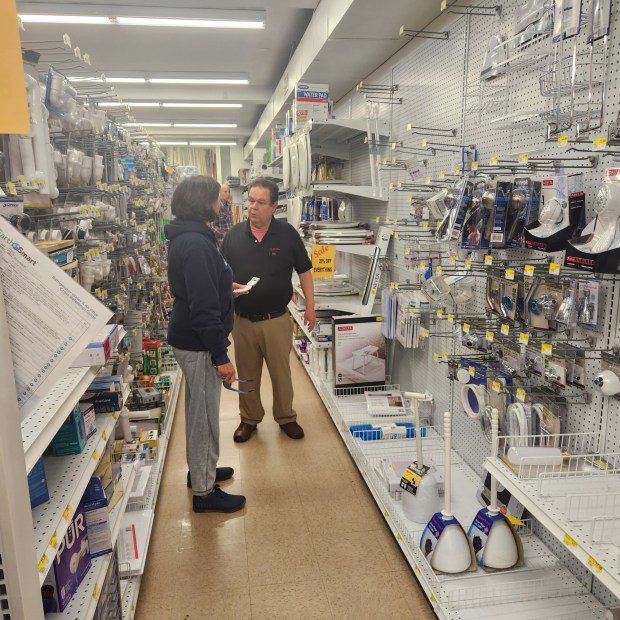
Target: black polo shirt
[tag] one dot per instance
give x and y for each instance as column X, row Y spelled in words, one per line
column 272, row 260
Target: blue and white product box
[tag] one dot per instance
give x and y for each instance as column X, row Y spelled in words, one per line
column 71, row 437
column 105, row 393
column 70, row 566
column 95, row 505
column 480, row 530
column 430, row 536
column 90, row 420
column 99, row 350
column 37, row 485
column 311, row 103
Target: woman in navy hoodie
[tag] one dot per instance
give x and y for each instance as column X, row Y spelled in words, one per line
column 202, row 318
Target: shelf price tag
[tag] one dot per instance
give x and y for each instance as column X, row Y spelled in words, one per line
column 472, row 371
column 436, row 357
column 443, row 5
column 457, row 169
column 505, row 329
column 445, row 355
column 562, row 139
column 450, row 318
column 66, row 515
column 440, row 269
column 468, row 264
column 554, row 269
column 466, row 328
column 442, row 174
column 569, row 541
column 496, row 386
column 488, row 259
column 422, row 265
column 523, row 158
column 490, row 336
column 54, row 540
column 377, row 218
column 599, row 143
column 42, row 563
column 528, row 271
column 494, row 160
column 546, row 348
column 474, row 166
column 96, row 591
column 509, row 274
column 521, row 395
column 595, row 565
column 453, row 259
column 425, row 332
column 424, row 141
column 407, row 251
column 440, row 313
column 427, row 180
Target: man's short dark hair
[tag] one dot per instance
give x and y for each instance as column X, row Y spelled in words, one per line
column 195, row 199
column 266, row 184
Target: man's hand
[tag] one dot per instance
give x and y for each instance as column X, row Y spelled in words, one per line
column 226, row 372
column 310, row 318
column 237, row 289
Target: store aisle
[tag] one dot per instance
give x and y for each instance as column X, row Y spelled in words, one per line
column 310, row 542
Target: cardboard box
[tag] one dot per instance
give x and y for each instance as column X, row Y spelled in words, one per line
column 311, row 103
column 105, row 394
column 95, row 505
column 358, row 351
column 90, row 420
column 70, row 566
column 98, row 351
column 71, row 437
column 37, row 485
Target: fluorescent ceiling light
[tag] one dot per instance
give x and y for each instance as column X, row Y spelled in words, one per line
column 199, row 81
column 171, row 143
column 129, row 104
column 213, row 125
column 147, row 124
column 64, row 19
column 125, row 80
column 213, row 143
column 188, row 104
column 188, row 23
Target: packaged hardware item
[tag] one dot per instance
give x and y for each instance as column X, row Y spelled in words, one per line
column 523, row 210
column 37, row 485
column 358, row 351
column 71, row 437
column 495, row 57
column 70, row 566
column 588, row 306
column 98, row 351
column 96, row 512
column 478, row 219
column 503, row 192
column 311, row 103
column 150, row 357
column 566, row 19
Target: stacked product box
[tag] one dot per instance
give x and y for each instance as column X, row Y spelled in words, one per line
column 311, row 103
column 71, row 437
column 37, row 485
column 99, row 350
column 150, row 357
column 105, row 394
column 96, row 512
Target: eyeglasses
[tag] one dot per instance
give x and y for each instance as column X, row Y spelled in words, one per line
column 229, row 386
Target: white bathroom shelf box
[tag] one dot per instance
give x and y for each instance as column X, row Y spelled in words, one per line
column 84, row 602
column 40, row 427
column 600, row 559
column 67, row 479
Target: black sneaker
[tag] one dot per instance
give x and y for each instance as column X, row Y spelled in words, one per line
column 218, row 501
column 221, row 475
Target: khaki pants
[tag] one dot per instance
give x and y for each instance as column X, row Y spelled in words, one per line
column 271, row 341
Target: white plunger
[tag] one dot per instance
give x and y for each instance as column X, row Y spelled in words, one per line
column 452, row 553
column 500, row 550
column 426, row 502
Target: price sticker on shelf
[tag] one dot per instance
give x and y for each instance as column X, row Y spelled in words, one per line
column 425, row 332
column 457, row 169
column 523, row 158
column 488, row 259
column 466, row 328
column 436, row 357
column 599, row 143
column 450, row 318
column 468, row 264
column 474, row 166
column 21, row 179
column 521, row 395
column 424, row 141
column 490, row 336
column 524, row 338
column 440, row 313
column 509, row 274
column 554, row 269
column 496, row 386
column 95, row 454
column 445, row 355
column 377, row 218
column 42, row 563
column 494, row 161
column 562, row 139
column 54, row 540
column 387, row 220
column 595, row 565
column 442, row 174
column 472, row 371
column 96, row 591
column 425, row 225
column 452, row 259
column 443, row 5
column 528, row 271
column 10, row 187
column 439, row 269
column 505, row 329
column 546, row 348
column 427, row 180
column 66, row 515
column 407, row 251
column 395, row 234
column 400, row 183
column 422, row 265
column 411, row 311
column 569, row 541
column 104, row 436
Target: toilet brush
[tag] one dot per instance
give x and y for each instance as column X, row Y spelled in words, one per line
column 420, row 494
column 444, row 541
column 492, row 537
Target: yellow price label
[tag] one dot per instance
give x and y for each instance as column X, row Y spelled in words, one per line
column 528, row 270
column 562, row 139
column 472, row 371
column 425, row 225
column 407, row 251
column 453, row 259
column 505, row 329
column 451, row 318
column 468, row 263
column 595, row 565
column 409, row 126
column 523, row 157
column 42, row 563
column 442, row 174
column 509, row 274
column 494, row 160
column 466, row 328
column 377, row 219
column 66, row 515
column 554, row 269
column 490, row 336
column 457, row 169
column 391, row 182
column 436, row 356
column 440, row 269
column 440, row 313
column 569, row 541
column 496, row 386
column 96, row 591
column 54, row 540
column 514, row 520
column 424, row 141
column 427, row 180
column 524, row 338
column 474, row 166
column 425, row 332
column 104, row 436
column 521, row 395
column 10, row 187
column 422, row 264
column 445, row 355
column 95, row 454
column 488, row 259
column 599, row 143
column 546, row 348
column 399, row 537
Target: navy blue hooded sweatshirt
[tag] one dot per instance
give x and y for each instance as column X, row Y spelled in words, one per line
column 201, row 283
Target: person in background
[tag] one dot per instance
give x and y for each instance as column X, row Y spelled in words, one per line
column 269, row 249
column 224, row 219
column 202, row 318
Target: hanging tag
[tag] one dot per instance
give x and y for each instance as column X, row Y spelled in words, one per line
column 490, row 336
column 442, row 174
column 488, row 259
column 427, row 180
column 562, row 139
column 450, row 318
column 457, row 169
column 509, row 274
column 528, row 271
column 523, row 158
column 472, row 371
column 521, row 395
column 466, row 328
column 505, row 329
column 524, row 338
column 546, row 348
column 554, row 269
column 436, row 356
column 439, row 269
column 453, row 259
column 468, row 264
column 423, row 141
column 407, row 251
column 445, row 355
column 440, row 313
column 496, row 386
column 599, row 143
column 494, row 160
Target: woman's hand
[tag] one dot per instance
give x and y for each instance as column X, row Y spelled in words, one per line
column 237, row 289
column 226, row 372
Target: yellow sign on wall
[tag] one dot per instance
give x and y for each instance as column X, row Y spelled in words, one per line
column 14, row 116
column 323, row 261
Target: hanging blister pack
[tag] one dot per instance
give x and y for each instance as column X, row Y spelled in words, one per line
column 523, row 210
column 476, row 222
column 588, row 304
column 457, row 201
column 600, row 19
column 503, row 192
column 566, row 19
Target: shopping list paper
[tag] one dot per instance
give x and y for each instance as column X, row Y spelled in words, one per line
column 51, row 318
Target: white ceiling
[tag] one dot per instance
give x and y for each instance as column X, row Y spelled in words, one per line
column 261, row 54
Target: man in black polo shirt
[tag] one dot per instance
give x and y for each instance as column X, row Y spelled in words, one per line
column 269, row 249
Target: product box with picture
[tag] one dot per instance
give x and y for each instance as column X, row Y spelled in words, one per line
column 358, row 351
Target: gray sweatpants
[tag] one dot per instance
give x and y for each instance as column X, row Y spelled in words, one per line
column 203, row 388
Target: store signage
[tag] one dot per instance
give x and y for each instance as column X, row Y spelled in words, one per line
column 323, row 261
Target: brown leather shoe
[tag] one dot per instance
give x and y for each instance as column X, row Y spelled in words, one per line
column 244, row 432
column 293, row 430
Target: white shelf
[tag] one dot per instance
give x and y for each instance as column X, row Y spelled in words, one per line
column 41, row 426
column 601, row 560
column 140, row 522
column 130, row 589
column 359, row 191
column 339, row 129
column 67, row 479
column 299, row 319
column 84, row 602
column 345, row 303
column 360, row 249
column 540, row 589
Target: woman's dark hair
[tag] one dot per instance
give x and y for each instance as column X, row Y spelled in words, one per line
column 266, row 184
column 195, row 197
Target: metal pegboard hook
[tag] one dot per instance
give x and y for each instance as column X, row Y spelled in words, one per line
column 424, row 34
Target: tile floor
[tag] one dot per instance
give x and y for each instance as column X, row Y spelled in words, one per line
column 310, row 542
